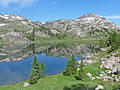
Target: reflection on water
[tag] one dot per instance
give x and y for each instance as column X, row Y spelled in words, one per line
column 55, row 57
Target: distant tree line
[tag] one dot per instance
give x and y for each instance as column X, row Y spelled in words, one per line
column 113, row 42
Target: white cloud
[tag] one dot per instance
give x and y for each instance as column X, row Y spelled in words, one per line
column 21, row 3
column 113, row 17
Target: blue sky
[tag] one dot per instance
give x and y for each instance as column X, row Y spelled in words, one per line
column 50, row 10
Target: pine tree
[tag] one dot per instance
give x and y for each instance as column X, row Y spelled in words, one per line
column 36, row 66
column 71, row 67
column 42, row 69
column 67, row 71
column 113, row 41
column 33, row 77
column 74, row 66
column 81, row 71
column 35, row 71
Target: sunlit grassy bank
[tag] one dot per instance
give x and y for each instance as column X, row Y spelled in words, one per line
column 61, row 82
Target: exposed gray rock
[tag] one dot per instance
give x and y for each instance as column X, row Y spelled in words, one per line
column 89, row 74
column 99, row 87
column 26, row 85
column 92, row 78
column 87, row 62
column 90, row 24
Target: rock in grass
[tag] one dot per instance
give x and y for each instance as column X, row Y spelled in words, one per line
column 26, row 84
column 89, row 74
column 92, row 78
column 99, row 87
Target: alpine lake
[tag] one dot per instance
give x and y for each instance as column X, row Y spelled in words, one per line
column 16, row 60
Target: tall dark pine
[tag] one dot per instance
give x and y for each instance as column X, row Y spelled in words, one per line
column 33, row 77
column 42, row 69
column 36, row 65
column 74, row 66
column 35, row 71
column 71, row 67
column 113, row 41
column 67, row 71
column 81, row 74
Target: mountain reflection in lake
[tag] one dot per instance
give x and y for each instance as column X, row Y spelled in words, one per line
column 55, row 57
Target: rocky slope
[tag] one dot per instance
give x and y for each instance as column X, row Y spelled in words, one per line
column 15, row 26
column 84, row 26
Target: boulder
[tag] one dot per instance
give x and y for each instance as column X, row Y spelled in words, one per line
column 99, row 87
column 98, row 77
column 89, row 74
column 108, row 71
column 92, row 78
column 26, row 84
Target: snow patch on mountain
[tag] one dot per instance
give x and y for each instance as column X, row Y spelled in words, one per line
column 12, row 17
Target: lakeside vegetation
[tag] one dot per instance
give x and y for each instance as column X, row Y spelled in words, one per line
column 113, row 42
column 61, row 82
column 69, row 82
column 38, row 71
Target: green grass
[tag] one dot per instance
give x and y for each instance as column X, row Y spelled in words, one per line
column 57, row 82
column 60, row 82
column 93, row 69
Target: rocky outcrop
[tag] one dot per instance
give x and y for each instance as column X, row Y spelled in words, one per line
column 99, row 87
column 86, row 62
column 112, row 63
column 90, row 24
column 85, row 26
column 18, row 26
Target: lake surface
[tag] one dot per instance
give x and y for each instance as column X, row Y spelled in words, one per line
column 16, row 61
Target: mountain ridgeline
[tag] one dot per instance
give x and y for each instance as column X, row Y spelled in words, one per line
column 14, row 28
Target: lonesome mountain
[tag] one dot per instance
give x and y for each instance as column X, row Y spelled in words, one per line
column 84, row 26
column 14, row 27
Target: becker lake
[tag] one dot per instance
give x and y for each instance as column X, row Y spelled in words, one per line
column 16, row 61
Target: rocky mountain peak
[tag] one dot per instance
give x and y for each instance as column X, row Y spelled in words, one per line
column 89, row 24
column 91, row 17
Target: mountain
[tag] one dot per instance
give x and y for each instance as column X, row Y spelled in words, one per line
column 18, row 28
column 14, row 26
column 84, row 26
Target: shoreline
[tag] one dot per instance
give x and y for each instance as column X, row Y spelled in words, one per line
column 27, row 80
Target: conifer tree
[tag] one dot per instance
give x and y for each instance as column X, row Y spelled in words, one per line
column 81, row 74
column 74, row 66
column 42, row 69
column 71, row 67
column 113, row 41
column 35, row 71
column 36, row 66
column 33, row 77
column 68, row 71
